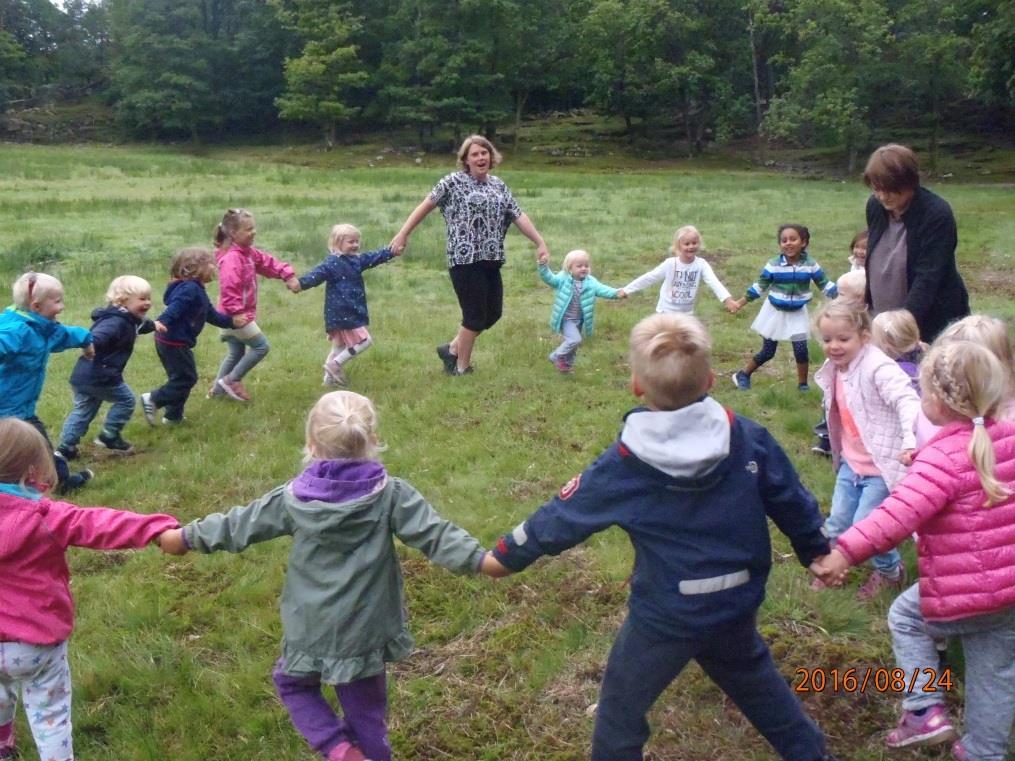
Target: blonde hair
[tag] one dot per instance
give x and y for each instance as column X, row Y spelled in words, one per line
column 193, row 262
column 680, row 233
column 857, row 317
column 571, row 256
column 230, row 223
column 125, row 286
column 463, row 151
column 33, row 287
column 22, row 450
column 852, row 288
column 340, row 233
column 968, row 379
column 895, row 332
column 670, row 359
column 987, row 331
column 342, row 425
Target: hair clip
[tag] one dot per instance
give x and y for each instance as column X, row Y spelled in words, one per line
column 32, row 278
column 978, row 420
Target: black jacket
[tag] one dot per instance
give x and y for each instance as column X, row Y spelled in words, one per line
column 937, row 295
column 114, row 331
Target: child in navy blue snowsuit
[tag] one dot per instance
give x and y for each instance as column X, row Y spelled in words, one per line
column 693, row 485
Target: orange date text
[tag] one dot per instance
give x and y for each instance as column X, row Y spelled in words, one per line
column 861, row 679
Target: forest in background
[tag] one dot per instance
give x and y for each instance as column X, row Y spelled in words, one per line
column 803, row 72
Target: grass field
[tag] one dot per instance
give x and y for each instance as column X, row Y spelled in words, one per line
column 171, row 657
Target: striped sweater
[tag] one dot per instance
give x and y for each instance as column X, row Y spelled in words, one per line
column 789, row 285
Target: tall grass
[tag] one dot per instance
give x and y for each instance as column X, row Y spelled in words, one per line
column 171, row 657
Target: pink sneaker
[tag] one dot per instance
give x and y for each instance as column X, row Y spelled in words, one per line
column 562, row 365
column 879, row 581
column 234, row 389
column 930, row 729
column 346, row 751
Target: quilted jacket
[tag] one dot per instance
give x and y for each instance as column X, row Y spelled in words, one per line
column 563, row 284
column 238, row 270
column 966, row 552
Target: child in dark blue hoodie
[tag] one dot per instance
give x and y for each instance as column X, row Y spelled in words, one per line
column 188, row 308
column 115, row 327
column 693, row 485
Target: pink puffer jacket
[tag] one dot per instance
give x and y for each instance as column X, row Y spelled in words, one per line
column 881, row 399
column 966, row 551
column 238, row 271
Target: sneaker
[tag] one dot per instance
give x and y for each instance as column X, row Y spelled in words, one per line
column 450, row 360
column 959, row 753
column 327, row 380
column 113, row 443
column 173, row 420
column 878, row 581
column 215, row 390
column 562, row 365
column 76, row 481
column 333, row 370
column 346, row 751
column 234, row 389
column 148, row 408
column 823, row 447
column 803, row 388
column 466, row 371
column 930, row 729
column 67, row 452
column 742, row 380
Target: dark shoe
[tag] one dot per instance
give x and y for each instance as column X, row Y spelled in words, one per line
column 450, row 360
column 113, row 443
column 67, row 452
column 742, row 380
column 75, row 481
column 803, row 388
column 148, row 407
column 823, row 447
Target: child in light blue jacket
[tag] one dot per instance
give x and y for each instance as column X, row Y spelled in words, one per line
column 574, row 305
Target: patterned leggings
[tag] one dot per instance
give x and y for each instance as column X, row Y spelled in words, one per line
column 768, row 347
column 42, row 676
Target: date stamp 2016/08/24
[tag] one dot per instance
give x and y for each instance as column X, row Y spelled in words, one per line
column 861, row 679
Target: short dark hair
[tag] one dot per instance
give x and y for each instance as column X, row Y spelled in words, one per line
column 893, row 168
column 803, row 232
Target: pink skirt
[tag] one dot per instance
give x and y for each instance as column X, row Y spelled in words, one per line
column 347, row 338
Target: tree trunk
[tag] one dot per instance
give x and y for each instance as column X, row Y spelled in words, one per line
column 757, row 89
column 520, row 98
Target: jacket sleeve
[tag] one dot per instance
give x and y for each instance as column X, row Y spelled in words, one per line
column 821, row 280
column 214, row 316
column 933, row 262
column 579, row 510
column 318, row 274
column 762, row 284
column 147, row 326
column 605, row 291
column 268, row 266
column 644, row 281
column 415, row 522
column 548, row 277
column 926, row 489
column 263, row 519
column 709, row 277
column 789, row 504
column 373, row 258
column 896, row 389
column 69, row 337
column 103, row 528
column 105, row 334
column 180, row 303
column 230, row 284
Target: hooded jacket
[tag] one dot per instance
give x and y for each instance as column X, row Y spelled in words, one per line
column 563, row 284
column 188, row 308
column 345, row 295
column 238, row 270
column 26, row 341
column 693, row 488
column 114, row 330
column 342, row 605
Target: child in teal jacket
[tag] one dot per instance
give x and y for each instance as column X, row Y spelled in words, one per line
column 574, row 305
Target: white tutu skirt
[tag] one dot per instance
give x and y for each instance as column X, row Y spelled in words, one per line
column 777, row 325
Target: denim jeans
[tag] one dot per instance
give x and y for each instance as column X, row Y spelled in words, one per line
column 241, row 355
column 87, row 400
column 641, row 665
column 854, row 498
column 988, row 645
column 571, row 332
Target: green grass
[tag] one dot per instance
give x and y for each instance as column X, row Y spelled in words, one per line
column 171, row 657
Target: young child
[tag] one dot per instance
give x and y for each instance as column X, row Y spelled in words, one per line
column 115, row 327
column 682, row 275
column 239, row 265
column 342, row 610
column 858, row 251
column 345, row 298
column 37, row 615
column 871, row 410
column 693, row 485
column 783, row 317
column 896, row 333
column 960, row 496
column 851, row 287
column 187, row 310
column 992, row 333
column 29, row 333
column 574, row 305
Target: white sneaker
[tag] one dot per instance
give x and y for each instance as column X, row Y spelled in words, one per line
column 334, row 369
column 148, row 408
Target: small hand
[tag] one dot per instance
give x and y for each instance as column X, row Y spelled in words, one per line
column 493, row 567
column 830, row 568
column 621, row 294
column 160, row 327
column 731, row 305
column 171, row 542
column 293, row 285
column 88, row 352
column 906, row 456
column 239, row 320
column 542, row 254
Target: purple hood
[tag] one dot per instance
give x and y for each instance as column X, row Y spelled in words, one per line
column 339, row 480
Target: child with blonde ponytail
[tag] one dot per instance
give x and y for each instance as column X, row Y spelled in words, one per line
column 342, row 611
column 960, row 495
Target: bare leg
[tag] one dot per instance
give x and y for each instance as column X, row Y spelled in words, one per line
column 462, row 347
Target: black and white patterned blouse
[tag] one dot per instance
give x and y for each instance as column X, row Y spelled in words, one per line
column 477, row 214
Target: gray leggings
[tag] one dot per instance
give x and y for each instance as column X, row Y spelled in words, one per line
column 241, row 355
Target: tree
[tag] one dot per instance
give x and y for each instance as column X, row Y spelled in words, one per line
column 992, row 63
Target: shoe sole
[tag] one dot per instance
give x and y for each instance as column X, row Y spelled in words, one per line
column 229, row 392
column 937, row 737
column 99, row 443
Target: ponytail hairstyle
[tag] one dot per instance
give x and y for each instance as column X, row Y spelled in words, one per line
column 24, row 456
column 230, row 223
column 342, row 426
column 896, row 333
column 969, row 380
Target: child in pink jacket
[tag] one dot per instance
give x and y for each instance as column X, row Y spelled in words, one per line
column 960, row 495
column 36, row 607
column 239, row 265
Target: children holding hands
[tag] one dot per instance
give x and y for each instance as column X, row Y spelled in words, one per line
column 574, row 304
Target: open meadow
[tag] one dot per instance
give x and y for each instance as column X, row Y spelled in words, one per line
column 171, row 657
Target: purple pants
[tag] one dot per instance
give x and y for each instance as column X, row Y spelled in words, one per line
column 364, row 703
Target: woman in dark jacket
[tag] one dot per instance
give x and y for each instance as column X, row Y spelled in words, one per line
column 911, row 249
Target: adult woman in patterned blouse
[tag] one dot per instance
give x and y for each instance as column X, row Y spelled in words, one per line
column 478, row 209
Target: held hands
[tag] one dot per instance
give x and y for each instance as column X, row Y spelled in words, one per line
column 542, row 254
column 397, row 244
column 621, row 293
column 732, row 305
column 830, row 568
column 493, row 567
column 239, row 320
column 906, row 456
column 160, row 327
column 171, row 542
column 88, row 352
column 293, row 284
